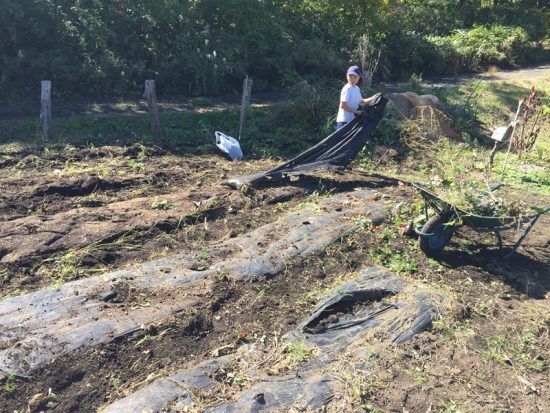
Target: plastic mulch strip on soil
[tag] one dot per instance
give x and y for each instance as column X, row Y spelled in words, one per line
column 40, row 326
column 377, row 302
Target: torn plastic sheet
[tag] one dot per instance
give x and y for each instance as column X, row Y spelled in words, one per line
column 39, row 326
column 365, row 303
column 354, row 307
column 179, row 387
column 333, row 153
column 353, row 312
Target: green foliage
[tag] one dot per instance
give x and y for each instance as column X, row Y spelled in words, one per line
column 517, row 348
column 182, row 135
column 136, row 165
column 537, row 179
column 115, row 382
column 294, row 125
column 475, row 197
column 432, row 16
column 464, row 50
column 415, row 82
column 298, row 351
column 206, row 47
column 480, row 47
column 14, row 293
column 9, row 385
column 160, row 204
column 388, row 131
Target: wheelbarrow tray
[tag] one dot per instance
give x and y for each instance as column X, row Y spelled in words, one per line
column 476, row 222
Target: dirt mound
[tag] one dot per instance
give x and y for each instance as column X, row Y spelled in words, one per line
column 424, row 108
column 28, row 236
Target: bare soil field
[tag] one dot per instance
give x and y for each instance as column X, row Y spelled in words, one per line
column 70, row 220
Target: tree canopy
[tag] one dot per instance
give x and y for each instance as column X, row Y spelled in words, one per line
column 207, row 46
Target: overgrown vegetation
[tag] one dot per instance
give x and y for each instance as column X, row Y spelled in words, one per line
column 472, row 198
column 206, row 47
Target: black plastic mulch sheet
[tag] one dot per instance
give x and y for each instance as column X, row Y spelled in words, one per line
column 333, row 153
column 366, row 303
column 377, row 299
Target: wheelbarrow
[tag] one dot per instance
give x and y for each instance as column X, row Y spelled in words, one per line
column 436, row 229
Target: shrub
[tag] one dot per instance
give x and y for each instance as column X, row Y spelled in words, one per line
column 480, row 47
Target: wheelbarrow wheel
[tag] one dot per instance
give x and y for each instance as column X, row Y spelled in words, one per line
column 440, row 236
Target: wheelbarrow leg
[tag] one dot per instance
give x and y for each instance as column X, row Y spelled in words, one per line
column 501, row 247
column 520, row 240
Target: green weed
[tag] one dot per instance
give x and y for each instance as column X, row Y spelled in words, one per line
column 144, row 152
column 143, row 340
column 12, row 148
column 450, row 407
column 240, row 380
column 10, row 386
column 67, row 265
column 415, row 82
column 15, row 293
column 115, row 382
column 398, row 261
column 362, row 222
column 356, row 386
column 136, row 165
column 152, row 335
column 161, row 204
column 298, row 351
column 310, row 205
column 263, row 287
column 51, row 395
column 419, row 377
column 516, row 348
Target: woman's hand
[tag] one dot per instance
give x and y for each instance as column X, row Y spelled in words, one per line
column 365, row 101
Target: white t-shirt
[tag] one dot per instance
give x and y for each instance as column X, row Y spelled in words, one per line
column 352, row 96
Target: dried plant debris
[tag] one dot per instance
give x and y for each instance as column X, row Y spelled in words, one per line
column 477, row 198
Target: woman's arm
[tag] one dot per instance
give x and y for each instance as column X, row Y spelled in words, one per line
column 344, row 105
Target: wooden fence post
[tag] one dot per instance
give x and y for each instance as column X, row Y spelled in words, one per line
column 151, row 97
column 46, row 107
column 247, row 91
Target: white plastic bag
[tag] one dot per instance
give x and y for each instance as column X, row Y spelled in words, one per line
column 229, row 145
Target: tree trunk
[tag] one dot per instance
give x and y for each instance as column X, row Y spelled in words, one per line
column 367, row 79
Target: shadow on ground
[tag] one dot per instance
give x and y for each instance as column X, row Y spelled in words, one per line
column 523, row 274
